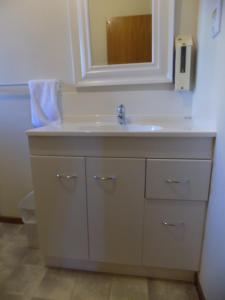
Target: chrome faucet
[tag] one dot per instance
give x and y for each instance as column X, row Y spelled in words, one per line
column 121, row 116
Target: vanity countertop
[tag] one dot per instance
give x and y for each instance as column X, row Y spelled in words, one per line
column 136, row 127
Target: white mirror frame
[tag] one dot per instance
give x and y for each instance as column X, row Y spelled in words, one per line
column 159, row 71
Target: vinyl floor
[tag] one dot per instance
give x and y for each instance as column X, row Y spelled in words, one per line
column 23, row 276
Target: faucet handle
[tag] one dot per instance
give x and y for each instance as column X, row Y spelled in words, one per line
column 121, row 108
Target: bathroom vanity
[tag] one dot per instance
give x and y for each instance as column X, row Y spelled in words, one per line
column 130, row 200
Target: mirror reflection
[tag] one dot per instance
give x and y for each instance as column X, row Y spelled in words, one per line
column 121, row 31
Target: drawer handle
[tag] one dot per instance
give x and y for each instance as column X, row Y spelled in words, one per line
column 67, row 177
column 185, row 181
column 165, row 223
column 104, row 179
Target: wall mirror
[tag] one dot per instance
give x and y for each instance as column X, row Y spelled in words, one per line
column 122, row 42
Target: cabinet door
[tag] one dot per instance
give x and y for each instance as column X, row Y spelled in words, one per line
column 173, row 234
column 115, row 209
column 59, row 184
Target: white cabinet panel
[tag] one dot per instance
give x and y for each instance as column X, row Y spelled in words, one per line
column 173, row 234
column 115, row 209
column 61, row 206
column 178, row 179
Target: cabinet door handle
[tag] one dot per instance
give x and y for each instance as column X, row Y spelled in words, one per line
column 67, row 177
column 104, row 179
column 165, row 223
column 185, row 181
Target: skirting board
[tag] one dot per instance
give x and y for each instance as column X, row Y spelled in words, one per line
column 10, row 220
column 187, row 276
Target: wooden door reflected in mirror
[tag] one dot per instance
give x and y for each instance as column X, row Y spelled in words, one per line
column 120, row 31
column 129, row 39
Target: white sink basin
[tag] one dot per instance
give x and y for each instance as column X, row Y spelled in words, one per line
column 111, row 127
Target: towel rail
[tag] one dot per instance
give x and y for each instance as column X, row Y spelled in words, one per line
column 13, row 85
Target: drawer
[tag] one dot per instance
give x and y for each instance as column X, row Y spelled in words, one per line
column 173, row 234
column 178, row 179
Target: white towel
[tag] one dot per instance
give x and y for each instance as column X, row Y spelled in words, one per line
column 44, row 96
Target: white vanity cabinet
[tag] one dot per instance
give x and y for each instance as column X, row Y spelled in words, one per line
column 126, row 205
column 60, row 190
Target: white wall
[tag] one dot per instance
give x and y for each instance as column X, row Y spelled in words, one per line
column 35, row 41
column 155, row 100
column 159, row 100
column 15, row 177
column 209, row 102
column 100, row 12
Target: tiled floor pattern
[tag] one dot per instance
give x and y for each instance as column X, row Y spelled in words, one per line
column 24, row 277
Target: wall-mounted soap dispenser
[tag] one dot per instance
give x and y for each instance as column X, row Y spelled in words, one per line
column 183, row 63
